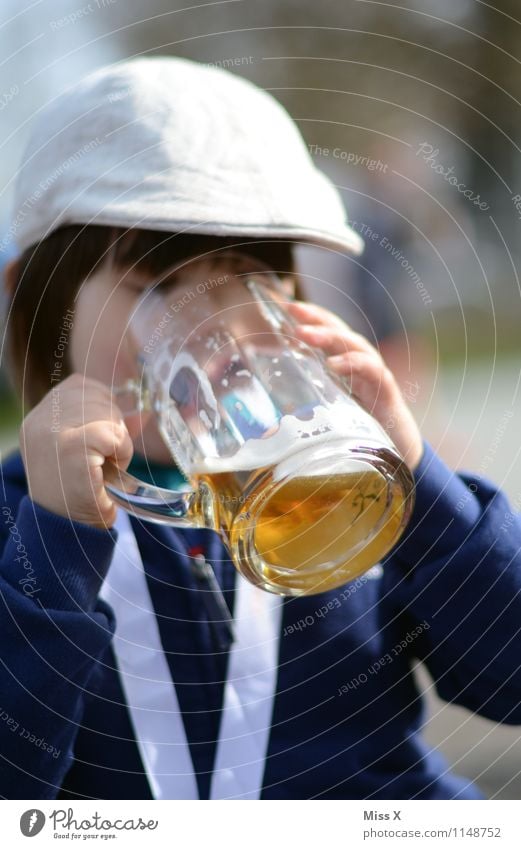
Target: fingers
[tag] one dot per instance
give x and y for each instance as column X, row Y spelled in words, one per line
column 333, row 341
column 103, row 510
column 108, row 440
column 322, row 328
column 325, row 338
column 308, row 313
column 80, row 483
column 374, row 387
column 369, row 379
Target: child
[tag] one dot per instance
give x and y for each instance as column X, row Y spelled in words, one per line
column 137, row 691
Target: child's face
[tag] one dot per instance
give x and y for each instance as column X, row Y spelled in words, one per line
column 98, row 346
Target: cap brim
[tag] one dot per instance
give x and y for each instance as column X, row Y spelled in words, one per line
column 347, row 240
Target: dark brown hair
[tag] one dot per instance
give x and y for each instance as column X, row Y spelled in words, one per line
column 48, row 276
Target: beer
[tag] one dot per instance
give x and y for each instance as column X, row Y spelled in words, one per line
column 313, row 521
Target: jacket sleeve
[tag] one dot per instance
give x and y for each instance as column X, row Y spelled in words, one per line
column 53, row 629
column 458, row 570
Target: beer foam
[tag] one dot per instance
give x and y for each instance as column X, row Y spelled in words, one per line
column 342, row 419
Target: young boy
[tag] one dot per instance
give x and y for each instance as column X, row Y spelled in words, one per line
column 140, row 166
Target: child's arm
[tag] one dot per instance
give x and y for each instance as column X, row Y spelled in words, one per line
column 52, row 632
column 57, row 549
column 458, row 565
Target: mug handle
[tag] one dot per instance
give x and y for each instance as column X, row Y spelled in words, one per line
column 186, row 508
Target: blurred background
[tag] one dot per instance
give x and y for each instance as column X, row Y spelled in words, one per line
column 414, row 111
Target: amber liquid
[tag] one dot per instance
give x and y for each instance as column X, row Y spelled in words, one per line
column 310, row 533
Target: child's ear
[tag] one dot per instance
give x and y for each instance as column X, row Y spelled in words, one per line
column 11, row 274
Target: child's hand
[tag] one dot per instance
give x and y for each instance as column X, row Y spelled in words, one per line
column 351, row 355
column 64, row 442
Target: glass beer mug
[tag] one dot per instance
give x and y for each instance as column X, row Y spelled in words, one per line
column 305, row 488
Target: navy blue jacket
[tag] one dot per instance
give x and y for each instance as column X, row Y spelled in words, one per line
column 347, row 711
